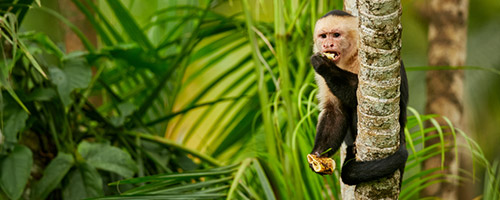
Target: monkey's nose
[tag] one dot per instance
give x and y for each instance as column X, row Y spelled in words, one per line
column 328, row 45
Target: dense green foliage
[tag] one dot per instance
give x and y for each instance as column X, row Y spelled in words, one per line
column 183, row 101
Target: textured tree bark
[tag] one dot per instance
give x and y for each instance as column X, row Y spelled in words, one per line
column 447, row 47
column 378, row 91
column 351, row 6
column 347, row 191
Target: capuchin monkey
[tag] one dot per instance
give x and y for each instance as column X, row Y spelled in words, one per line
column 336, row 63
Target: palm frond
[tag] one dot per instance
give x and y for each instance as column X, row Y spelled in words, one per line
column 232, row 181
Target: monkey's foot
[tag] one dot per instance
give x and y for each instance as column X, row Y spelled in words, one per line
column 321, row 165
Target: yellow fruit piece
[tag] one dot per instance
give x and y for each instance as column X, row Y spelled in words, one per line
column 323, row 165
column 330, row 56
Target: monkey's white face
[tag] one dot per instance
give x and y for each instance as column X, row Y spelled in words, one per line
column 336, row 37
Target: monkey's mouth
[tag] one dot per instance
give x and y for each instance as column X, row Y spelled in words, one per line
column 332, row 55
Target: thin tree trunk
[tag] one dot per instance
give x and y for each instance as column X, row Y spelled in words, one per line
column 351, row 6
column 347, row 191
column 71, row 41
column 75, row 16
column 378, row 91
column 447, row 47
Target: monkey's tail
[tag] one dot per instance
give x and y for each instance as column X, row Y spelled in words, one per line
column 355, row 172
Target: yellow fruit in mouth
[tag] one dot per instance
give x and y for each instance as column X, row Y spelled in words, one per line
column 330, row 56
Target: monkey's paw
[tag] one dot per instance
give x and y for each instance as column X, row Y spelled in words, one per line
column 321, row 165
column 321, row 63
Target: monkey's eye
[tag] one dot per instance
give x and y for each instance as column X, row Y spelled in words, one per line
column 323, row 35
column 336, row 34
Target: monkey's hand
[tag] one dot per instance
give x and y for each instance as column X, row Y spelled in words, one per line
column 321, row 165
column 322, row 64
column 342, row 83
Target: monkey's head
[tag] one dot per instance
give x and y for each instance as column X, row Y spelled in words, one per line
column 336, row 36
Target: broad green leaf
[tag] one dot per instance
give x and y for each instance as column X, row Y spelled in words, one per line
column 83, row 182
column 52, row 175
column 75, row 74
column 107, row 157
column 78, row 72
column 15, row 171
column 14, row 123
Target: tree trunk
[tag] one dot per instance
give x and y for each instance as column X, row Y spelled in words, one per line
column 447, row 47
column 71, row 41
column 347, row 191
column 378, row 91
column 75, row 16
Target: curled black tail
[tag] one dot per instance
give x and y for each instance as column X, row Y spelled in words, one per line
column 355, row 172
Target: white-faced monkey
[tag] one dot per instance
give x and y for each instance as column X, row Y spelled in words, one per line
column 336, row 64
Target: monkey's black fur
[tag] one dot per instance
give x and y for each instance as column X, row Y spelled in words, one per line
column 338, row 123
column 336, row 13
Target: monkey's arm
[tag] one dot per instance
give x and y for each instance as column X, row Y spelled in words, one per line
column 330, row 131
column 341, row 83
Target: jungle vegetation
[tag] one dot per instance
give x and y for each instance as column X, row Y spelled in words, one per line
column 126, row 99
